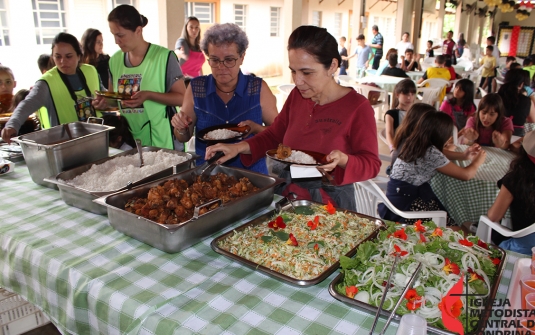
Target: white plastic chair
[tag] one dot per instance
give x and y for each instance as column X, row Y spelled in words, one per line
column 485, row 227
column 482, row 92
column 381, row 106
column 430, row 95
column 346, row 80
column 371, row 72
column 285, row 89
column 368, row 195
column 435, row 82
column 455, row 135
column 382, row 136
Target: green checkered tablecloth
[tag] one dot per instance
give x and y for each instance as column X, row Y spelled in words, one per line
column 90, row 279
column 466, row 201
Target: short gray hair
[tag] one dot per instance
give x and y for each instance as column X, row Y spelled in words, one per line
column 226, row 33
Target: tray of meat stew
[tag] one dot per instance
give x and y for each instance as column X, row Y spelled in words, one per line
column 447, row 257
column 299, row 244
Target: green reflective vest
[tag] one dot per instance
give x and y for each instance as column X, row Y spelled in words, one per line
column 149, row 122
column 61, row 98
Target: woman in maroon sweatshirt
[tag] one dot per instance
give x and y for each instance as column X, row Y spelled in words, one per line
column 322, row 116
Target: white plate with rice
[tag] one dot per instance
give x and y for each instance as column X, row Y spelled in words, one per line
column 223, row 133
column 301, row 157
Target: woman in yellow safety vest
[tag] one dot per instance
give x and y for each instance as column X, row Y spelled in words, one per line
column 65, row 90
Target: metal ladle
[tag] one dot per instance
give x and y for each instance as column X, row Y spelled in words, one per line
column 140, row 152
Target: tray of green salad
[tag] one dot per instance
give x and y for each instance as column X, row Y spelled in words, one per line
column 446, row 255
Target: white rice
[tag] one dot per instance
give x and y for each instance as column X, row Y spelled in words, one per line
column 221, row 134
column 116, row 173
column 300, row 157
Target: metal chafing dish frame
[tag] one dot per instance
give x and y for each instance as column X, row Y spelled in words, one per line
column 297, row 282
column 83, row 199
column 174, row 238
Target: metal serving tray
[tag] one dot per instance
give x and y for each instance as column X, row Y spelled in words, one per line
column 431, row 330
column 174, row 238
column 83, row 199
column 298, row 282
column 50, row 151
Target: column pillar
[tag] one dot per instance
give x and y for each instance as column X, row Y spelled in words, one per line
column 418, row 7
column 171, row 14
column 440, row 20
column 292, row 12
column 404, row 19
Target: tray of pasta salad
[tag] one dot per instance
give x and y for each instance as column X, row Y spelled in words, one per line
column 447, row 256
column 300, row 243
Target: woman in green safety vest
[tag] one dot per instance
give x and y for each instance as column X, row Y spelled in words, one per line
column 65, row 90
column 149, row 74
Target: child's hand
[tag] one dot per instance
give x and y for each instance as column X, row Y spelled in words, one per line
column 498, row 139
column 472, row 151
column 479, row 158
column 471, row 134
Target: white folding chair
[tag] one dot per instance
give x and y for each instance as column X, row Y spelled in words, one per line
column 346, row 80
column 485, row 227
column 430, row 95
column 434, row 82
column 368, row 195
column 381, row 106
column 482, row 92
column 285, row 89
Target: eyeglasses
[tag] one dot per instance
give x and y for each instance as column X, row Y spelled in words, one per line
column 228, row 62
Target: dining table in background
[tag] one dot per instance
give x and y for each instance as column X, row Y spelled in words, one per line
column 415, row 75
column 466, row 201
column 89, row 278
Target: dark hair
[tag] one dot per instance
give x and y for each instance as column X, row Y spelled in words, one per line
column 523, row 180
column 527, row 80
column 412, row 117
column 467, row 86
column 393, row 60
column 45, row 62
column 343, row 38
column 430, row 41
column 121, row 129
column 18, row 97
column 490, row 47
column 491, row 39
column 390, row 51
column 185, row 35
column 494, row 102
column 462, row 42
column 361, row 37
column 527, row 61
column 405, row 86
column 440, row 59
column 8, row 70
column 375, row 27
column 514, row 78
column 510, row 59
column 447, row 62
column 515, row 65
column 409, row 50
column 433, row 129
column 317, row 42
column 127, row 17
column 406, row 33
column 451, row 31
column 69, row 39
column 89, row 39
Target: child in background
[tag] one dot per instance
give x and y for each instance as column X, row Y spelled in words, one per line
column 343, row 53
column 439, row 71
column 429, row 52
column 7, row 85
column 489, row 64
column 489, row 126
column 404, row 94
column 461, row 106
column 45, row 63
column 420, row 158
column 517, row 193
column 508, row 61
column 410, row 62
column 364, row 54
column 120, row 137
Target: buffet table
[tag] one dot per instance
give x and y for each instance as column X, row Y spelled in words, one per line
column 90, row 279
column 466, row 201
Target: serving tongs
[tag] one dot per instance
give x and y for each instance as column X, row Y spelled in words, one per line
column 279, row 204
column 405, row 290
column 140, row 152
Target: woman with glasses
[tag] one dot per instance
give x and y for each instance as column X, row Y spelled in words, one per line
column 322, row 116
column 226, row 95
column 148, row 75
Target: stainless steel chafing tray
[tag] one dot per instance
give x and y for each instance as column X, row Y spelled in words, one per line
column 174, row 238
column 298, row 282
column 81, row 198
column 48, row 152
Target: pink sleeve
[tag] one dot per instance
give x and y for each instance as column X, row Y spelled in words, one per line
column 446, row 108
column 507, row 124
column 471, row 123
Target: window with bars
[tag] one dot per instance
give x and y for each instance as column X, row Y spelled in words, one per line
column 4, row 27
column 275, row 21
column 204, row 11
column 239, row 15
column 116, row 3
column 316, row 18
column 49, row 19
column 338, row 24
